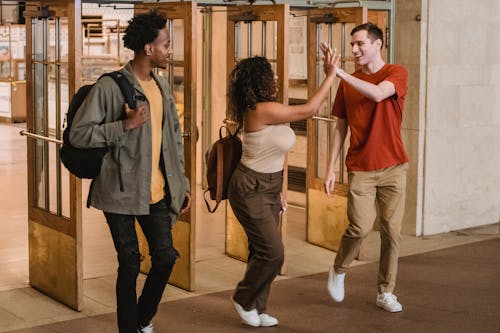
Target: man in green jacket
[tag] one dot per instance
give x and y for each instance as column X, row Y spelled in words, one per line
column 142, row 177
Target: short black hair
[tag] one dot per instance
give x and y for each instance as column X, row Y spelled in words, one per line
column 372, row 30
column 143, row 29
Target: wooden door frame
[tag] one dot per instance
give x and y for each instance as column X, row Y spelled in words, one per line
column 280, row 13
column 330, row 215
column 332, row 220
column 69, row 228
column 186, row 224
column 357, row 15
column 264, row 13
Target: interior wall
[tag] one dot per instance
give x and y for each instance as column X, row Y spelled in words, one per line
column 407, row 42
column 219, row 71
column 460, row 122
column 199, row 97
column 218, row 82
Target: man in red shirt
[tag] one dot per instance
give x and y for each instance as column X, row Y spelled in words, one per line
column 370, row 102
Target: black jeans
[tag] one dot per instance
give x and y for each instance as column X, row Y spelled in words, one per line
column 157, row 227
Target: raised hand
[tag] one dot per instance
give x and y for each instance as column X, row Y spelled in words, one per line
column 330, row 59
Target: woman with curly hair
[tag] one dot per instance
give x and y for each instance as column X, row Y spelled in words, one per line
column 255, row 186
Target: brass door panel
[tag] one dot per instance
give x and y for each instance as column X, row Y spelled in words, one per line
column 236, row 239
column 330, row 213
column 53, row 264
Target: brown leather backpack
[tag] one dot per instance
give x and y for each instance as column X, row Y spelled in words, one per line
column 221, row 158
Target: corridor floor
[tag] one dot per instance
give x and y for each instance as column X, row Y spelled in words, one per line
column 431, row 288
column 23, row 307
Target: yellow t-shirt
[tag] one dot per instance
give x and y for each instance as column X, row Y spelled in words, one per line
column 153, row 94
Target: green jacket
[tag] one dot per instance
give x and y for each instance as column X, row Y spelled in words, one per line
column 130, row 151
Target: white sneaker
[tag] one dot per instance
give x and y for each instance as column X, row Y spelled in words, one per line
column 267, row 320
column 250, row 318
column 336, row 285
column 389, row 302
column 146, row 329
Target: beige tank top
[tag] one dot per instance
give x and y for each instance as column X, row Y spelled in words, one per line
column 264, row 150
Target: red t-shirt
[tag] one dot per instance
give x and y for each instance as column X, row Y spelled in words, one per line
column 375, row 127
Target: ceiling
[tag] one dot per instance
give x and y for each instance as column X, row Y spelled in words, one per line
column 373, row 4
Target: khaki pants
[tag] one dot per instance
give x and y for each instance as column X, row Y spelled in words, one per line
column 385, row 188
column 255, row 199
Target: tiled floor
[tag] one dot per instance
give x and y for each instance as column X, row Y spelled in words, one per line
column 22, row 306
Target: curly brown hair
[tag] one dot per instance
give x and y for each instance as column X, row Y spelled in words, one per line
column 251, row 81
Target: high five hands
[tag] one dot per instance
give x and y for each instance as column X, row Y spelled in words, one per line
column 330, row 59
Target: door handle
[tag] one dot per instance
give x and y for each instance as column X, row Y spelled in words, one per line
column 330, row 120
column 187, row 134
column 39, row 137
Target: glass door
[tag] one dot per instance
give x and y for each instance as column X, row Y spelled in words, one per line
column 327, row 217
column 259, row 30
column 54, row 196
column 181, row 22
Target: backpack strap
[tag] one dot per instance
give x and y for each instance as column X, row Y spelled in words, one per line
column 126, row 87
column 128, row 92
column 90, row 191
column 211, row 210
column 229, row 131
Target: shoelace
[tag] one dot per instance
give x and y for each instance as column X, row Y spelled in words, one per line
column 390, row 297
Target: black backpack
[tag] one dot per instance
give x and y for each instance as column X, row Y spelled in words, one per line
column 86, row 163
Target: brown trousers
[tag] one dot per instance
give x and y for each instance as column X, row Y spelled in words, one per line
column 385, row 188
column 255, row 200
